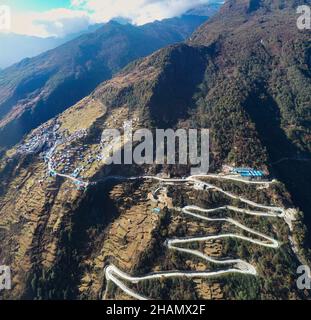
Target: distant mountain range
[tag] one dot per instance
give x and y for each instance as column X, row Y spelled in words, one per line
column 31, row 46
column 36, row 89
column 15, row 47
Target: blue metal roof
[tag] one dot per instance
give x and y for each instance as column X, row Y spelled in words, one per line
column 252, row 173
column 248, row 172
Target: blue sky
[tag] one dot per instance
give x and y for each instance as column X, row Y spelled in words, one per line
column 36, row 5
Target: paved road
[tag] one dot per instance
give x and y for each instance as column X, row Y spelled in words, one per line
column 113, row 274
column 189, row 210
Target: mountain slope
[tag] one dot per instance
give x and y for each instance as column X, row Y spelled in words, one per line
column 246, row 76
column 37, row 89
column 31, row 46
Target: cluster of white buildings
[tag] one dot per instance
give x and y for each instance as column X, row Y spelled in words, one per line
column 72, row 163
column 43, row 137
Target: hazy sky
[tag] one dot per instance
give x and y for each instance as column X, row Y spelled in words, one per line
column 36, row 5
column 60, row 17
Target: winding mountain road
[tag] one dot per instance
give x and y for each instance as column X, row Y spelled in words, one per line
column 113, row 274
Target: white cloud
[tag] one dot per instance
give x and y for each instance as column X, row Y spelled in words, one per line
column 137, row 11
column 82, row 13
column 56, row 22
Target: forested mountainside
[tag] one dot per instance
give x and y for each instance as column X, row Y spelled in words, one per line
column 245, row 75
column 266, row 62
